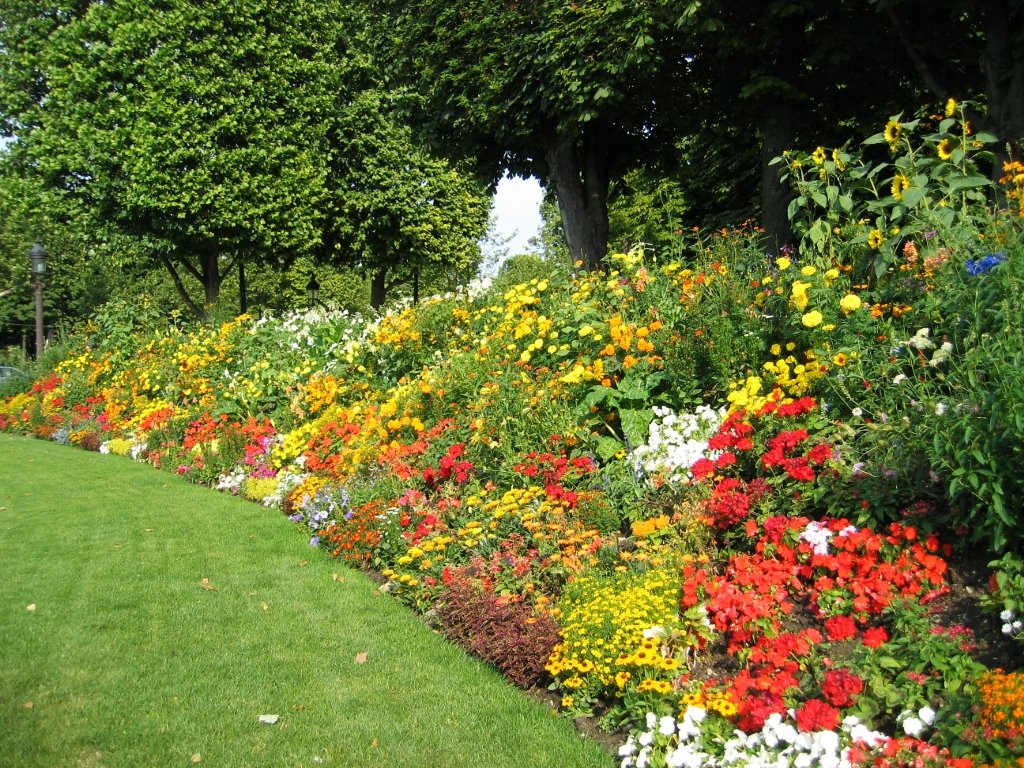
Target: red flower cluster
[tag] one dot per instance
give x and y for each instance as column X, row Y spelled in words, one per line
column 841, row 687
column 907, row 753
column 860, row 573
column 557, row 471
column 449, row 467
column 816, row 715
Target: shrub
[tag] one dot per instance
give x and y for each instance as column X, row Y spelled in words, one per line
column 501, row 630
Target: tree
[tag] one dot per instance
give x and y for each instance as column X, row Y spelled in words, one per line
column 574, row 93
column 194, row 127
column 397, row 213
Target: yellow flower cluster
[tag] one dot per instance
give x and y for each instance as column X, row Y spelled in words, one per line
column 651, row 525
column 721, row 702
column 258, row 488
column 119, row 446
column 604, row 620
column 788, row 378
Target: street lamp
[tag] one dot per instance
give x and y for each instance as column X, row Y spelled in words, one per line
column 313, row 291
column 37, row 257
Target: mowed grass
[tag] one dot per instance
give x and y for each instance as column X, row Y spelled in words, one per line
column 147, row 622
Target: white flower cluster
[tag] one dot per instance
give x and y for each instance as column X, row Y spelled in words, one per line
column 286, row 483
column 818, row 536
column 922, row 341
column 779, row 744
column 231, row 481
column 1012, row 625
column 675, row 442
column 914, row 723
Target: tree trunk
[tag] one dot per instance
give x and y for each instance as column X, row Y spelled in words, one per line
column 212, row 279
column 243, row 291
column 580, row 178
column 378, row 288
column 777, row 136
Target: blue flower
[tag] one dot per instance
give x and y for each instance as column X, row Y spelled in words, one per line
column 985, row 264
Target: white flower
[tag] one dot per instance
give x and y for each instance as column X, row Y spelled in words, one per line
column 940, row 409
column 899, row 378
column 1007, row 629
column 626, row 749
column 667, row 725
column 647, row 738
column 1006, row 615
column 858, row 412
column 926, row 714
column 653, row 632
column 695, row 714
column 913, row 727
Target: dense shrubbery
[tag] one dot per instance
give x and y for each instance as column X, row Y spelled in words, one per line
column 692, row 497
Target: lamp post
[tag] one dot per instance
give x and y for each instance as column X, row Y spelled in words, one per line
column 37, row 257
column 313, row 291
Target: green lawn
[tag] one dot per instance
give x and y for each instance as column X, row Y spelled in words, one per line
column 167, row 618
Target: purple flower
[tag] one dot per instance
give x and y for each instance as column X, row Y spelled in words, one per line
column 314, row 541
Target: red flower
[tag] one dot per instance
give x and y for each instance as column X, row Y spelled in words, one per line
column 874, row 637
column 816, row 715
column 840, row 628
column 702, row 468
column 841, row 687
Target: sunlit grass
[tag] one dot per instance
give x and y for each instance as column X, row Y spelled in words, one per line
column 167, row 618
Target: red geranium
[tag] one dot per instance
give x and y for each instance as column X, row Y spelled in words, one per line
column 816, row 715
column 840, row 628
column 873, row 637
column 841, row 687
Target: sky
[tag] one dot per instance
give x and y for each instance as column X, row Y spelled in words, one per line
column 517, row 210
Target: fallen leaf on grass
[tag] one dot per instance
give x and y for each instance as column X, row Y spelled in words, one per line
column 206, row 584
column 196, row 759
column 362, row 657
column 269, row 719
column 337, row 578
column 264, row 606
column 298, row 707
column 374, row 744
column 28, row 705
column 31, row 608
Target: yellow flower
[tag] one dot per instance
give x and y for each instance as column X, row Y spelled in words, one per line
column 831, row 275
column 875, row 239
column 812, row 318
column 893, row 131
column 783, row 263
column 899, row 183
column 951, row 106
column 818, row 156
column 839, row 359
column 945, row 149
column 807, row 271
column 837, row 158
column 850, row 303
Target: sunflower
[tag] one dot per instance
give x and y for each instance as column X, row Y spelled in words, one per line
column 951, row 106
column 893, row 131
column 945, row 149
column 899, row 183
column 875, row 239
column 818, row 156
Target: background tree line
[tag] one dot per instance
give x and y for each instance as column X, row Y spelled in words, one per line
column 213, row 155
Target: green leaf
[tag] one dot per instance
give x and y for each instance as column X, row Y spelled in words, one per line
column 635, row 424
